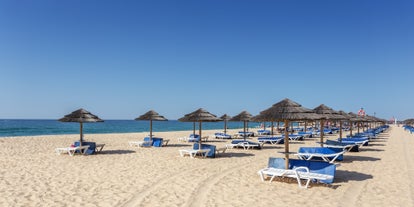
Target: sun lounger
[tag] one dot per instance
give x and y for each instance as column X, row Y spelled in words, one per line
column 194, row 152
column 350, row 147
column 299, row 169
column 72, row 150
column 147, row 142
column 271, row 140
column 248, row 134
column 220, row 135
column 244, row 144
column 300, row 173
column 263, row 132
column 323, row 153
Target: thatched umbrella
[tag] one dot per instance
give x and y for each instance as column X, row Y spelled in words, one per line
column 409, row 121
column 245, row 117
column 81, row 116
column 151, row 116
column 200, row 115
column 326, row 113
column 286, row 111
column 225, row 118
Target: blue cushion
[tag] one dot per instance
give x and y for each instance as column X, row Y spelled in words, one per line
column 322, row 150
column 212, row 148
column 157, row 142
column 355, row 148
column 91, row 148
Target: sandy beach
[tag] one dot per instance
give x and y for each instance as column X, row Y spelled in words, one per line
column 32, row 174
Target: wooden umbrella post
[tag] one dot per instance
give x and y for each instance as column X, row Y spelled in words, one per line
column 286, row 145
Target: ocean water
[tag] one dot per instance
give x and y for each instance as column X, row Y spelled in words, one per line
column 18, row 127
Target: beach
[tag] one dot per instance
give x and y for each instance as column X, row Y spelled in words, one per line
column 32, row 174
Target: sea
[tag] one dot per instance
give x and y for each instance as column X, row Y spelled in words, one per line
column 34, row 127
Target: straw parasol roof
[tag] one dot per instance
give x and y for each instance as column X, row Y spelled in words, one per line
column 287, row 110
column 245, row 117
column 151, row 116
column 329, row 114
column 200, row 115
column 81, row 116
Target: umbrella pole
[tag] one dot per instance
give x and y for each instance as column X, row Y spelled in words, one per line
column 350, row 128
column 340, row 130
column 81, row 134
column 272, row 128
column 225, row 127
column 359, row 125
column 322, row 120
column 151, row 129
column 286, row 145
column 199, row 131
column 306, row 123
column 194, row 128
column 244, row 130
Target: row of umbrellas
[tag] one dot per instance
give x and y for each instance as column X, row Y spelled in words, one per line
column 284, row 111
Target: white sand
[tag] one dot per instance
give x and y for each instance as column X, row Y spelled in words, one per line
column 31, row 174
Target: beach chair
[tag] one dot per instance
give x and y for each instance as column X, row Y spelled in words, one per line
column 205, row 151
column 147, row 142
column 72, row 150
column 90, row 150
column 322, row 153
column 350, row 147
column 271, row 140
column 314, row 171
column 220, row 135
column 244, row 144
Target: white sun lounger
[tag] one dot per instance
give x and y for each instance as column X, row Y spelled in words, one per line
column 245, row 145
column 72, row 150
column 140, row 143
column 194, row 152
column 298, row 173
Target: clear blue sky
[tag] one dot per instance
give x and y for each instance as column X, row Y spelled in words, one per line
column 119, row 59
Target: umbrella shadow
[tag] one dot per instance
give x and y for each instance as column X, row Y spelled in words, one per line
column 179, row 145
column 345, row 176
column 351, row 158
column 273, row 146
column 371, row 144
column 234, row 154
column 111, row 152
column 371, row 149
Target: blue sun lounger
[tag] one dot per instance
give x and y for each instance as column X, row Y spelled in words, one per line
column 321, row 153
column 271, row 140
column 220, row 135
column 315, row 171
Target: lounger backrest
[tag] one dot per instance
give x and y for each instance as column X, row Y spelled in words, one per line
column 276, row 163
column 315, row 167
column 157, row 142
column 212, row 148
column 322, row 150
column 90, row 150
